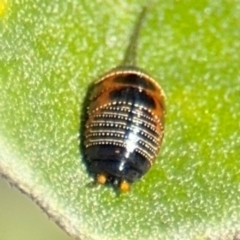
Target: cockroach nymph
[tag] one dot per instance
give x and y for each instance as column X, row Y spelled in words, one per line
column 125, row 121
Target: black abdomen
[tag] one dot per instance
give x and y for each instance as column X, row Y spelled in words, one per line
column 124, row 129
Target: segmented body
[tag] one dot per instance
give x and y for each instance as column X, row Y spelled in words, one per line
column 125, row 124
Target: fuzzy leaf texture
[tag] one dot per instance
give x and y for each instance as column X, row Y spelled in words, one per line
column 49, row 53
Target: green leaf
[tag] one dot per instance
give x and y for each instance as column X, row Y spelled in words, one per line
column 49, row 53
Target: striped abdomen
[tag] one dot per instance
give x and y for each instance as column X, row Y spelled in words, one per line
column 124, row 129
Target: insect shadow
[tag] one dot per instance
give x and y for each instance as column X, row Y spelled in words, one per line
column 83, row 120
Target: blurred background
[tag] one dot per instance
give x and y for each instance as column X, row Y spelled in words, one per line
column 22, row 219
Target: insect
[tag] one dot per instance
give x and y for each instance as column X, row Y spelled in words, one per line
column 125, row 121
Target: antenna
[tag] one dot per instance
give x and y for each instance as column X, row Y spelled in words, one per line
column 131, row 51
